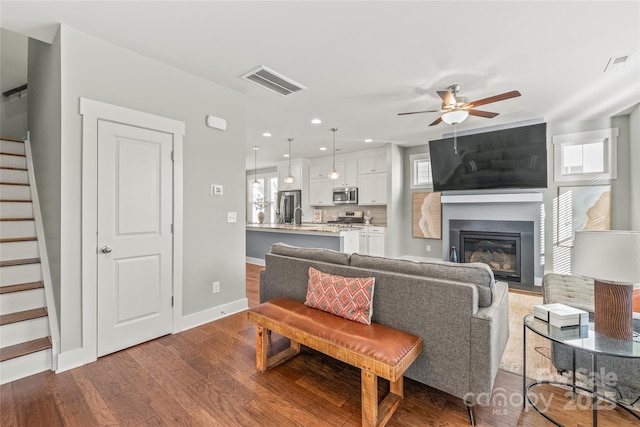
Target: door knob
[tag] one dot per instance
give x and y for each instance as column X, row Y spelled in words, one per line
column 105, row 249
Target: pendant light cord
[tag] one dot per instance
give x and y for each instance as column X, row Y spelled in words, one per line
column 334, row 147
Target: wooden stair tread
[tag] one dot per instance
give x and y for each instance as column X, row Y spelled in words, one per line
column 13, row 183
column 20, row 316
column 12, row 154
column 22, row 349
column 21, row 287
column 13, row 168
column 17, row 219
column 14, row 262
column 15, row 201
column 18, row 239
column 11, row 140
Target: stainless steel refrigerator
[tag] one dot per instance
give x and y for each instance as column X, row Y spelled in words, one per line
column 286, row 207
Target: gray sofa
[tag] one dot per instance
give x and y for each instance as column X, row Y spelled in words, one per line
column 459, row 310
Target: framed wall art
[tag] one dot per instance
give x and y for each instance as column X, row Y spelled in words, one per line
column 582, row 208
column 427, row 215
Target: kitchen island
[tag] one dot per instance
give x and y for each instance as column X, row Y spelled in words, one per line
column 260, row 237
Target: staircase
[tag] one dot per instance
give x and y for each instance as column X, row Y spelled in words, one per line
column 25, row 332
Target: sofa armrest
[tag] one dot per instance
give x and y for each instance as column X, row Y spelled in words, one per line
column 489, row 336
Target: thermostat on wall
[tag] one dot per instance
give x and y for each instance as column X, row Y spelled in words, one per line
column 216, row 123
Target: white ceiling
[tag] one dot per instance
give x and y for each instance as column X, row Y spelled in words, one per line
column 365, row 61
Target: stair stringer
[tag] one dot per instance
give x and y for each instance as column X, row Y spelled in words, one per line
column 44, row 260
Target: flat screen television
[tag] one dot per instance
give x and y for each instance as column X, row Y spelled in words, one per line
column 507, row 158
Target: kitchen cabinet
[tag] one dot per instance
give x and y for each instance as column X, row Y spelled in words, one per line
column 348, row 173
column 376, row 164
column 372, row 240
column 297, row 168
column 372, row 189
column 321, row 192
column 320, row 169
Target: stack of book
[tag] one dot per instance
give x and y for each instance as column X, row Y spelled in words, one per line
column 564, row 321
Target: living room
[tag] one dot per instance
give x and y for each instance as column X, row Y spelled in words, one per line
column 153, row 81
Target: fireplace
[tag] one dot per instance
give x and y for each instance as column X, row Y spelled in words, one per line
column 505, row 246
column 500, row 251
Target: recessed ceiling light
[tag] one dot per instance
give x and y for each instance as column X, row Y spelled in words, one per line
column 266, row 134
column 368, row 140
column 316, row 121
column 323, row 148
column 285, row 155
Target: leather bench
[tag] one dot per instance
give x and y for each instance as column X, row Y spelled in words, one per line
column 377, row 350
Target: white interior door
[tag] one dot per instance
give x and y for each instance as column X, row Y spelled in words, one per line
column 135, row 189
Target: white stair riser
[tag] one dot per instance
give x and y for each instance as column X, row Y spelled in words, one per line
column 16, row 210
column 10, row 175
column 13, row 229
column 27, row 330
column 18, row 250
column 21, row 367
column 20, row 274
column 15, row 192
column 13, row 161
column 11, row 147
column 13, row 302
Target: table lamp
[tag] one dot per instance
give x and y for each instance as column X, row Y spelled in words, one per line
column 612, row 259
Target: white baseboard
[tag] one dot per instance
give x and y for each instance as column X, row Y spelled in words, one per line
column 74, row 358
column 256, row 261
column 205, row 316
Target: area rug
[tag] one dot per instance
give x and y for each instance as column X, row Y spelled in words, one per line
column 539, row 366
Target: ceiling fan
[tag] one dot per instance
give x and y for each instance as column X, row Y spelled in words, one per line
column 455, row 109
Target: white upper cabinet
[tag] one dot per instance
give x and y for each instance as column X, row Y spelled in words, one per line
column 321, row 192
column 319, row 169
column 375, row 164
column 348, row 174
column 372, row 189
column 298, row 170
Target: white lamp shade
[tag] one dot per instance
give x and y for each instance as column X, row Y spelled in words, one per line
column 607, row 256
column 455, row 116
column 334, row 174
column 290, row 179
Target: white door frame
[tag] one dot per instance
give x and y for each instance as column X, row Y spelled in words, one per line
column 91, row 112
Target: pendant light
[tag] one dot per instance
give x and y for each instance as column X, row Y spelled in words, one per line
column 334, row 173
column 290, row 179
column 255, row 182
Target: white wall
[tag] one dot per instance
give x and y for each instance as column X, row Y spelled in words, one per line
column 213, row 249
column 634, row 156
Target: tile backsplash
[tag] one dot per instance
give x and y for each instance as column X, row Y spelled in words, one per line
column 379, row 213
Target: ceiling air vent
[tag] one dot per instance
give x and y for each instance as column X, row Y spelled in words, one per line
column 273, row 81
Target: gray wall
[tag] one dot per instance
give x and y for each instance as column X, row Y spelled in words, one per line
column 414, row 245
column 213, row 248
column 13, row 60
column 625, row 190
column 44, row 125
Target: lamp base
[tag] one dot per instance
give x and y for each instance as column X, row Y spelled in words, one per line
column 613, row 310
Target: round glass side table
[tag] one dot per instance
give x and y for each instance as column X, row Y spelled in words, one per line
column 583, row 338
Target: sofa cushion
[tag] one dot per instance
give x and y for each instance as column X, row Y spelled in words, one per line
column 348, row 297
column 475, row 273
column 314, row 254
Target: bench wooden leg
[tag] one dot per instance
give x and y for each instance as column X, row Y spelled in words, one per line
column 369, row 391
column 263, row 347
column 374, row 415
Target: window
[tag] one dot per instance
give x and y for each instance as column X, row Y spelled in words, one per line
column 421, row 171
column 262, row 198
column 585, row 156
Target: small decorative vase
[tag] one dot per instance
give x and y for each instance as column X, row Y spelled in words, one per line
column 261, row 217
column 453, row 255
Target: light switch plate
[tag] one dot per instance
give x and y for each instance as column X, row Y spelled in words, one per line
column 216, row 190
column 232, row 217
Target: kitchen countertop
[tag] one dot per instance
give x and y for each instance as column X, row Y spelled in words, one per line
column 305, row 228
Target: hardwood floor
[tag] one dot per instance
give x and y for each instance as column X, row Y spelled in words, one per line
column 206, row 376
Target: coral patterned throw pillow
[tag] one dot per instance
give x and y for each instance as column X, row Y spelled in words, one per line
column 348, row 297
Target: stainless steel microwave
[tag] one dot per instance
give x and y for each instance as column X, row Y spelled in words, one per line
column 345, row 195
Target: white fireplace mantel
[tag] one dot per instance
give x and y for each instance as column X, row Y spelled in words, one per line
column 492, row 198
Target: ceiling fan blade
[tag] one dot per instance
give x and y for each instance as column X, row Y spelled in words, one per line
column 419, row 112
column 496, row 98
column 447, row 97
column 480, row 113
column 438, row 120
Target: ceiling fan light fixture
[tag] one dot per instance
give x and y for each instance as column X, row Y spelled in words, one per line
column 455, row 116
